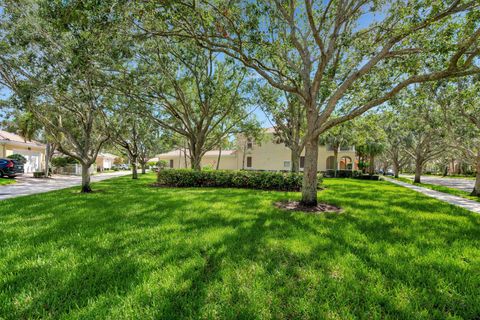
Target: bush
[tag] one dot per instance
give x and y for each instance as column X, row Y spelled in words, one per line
column 39, row 174
column 17, row 157
column 231, row 179
column 367, row 177
column 342, row 173
column 60, row 162
column 161, row 164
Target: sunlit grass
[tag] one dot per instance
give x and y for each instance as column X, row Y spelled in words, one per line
column 5, row 181
column 131, row 251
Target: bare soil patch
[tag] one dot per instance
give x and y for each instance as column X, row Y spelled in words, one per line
column 297, row 206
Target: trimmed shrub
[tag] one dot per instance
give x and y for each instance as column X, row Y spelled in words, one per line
column 60, row 162
column 368, row 177
column 342, row 173
column 39, row 174
column 264, row 180
column 17, row 157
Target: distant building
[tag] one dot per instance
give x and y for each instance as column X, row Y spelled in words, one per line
column 266, row 155
column 33, row 151
column 105, row 161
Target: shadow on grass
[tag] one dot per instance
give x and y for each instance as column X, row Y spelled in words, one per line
column 139, row 252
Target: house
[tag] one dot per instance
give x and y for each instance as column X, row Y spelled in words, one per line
column 265, row 155
column 105, row 161
column 33, row 151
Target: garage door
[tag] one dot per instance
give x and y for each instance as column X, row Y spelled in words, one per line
column 33, row 160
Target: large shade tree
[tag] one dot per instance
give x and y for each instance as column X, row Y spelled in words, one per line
column 461, row 102
column 63, row 52
column 396, row 135
column 424, row 119
column 191, row 92
column 288, row 118
column 327, row 54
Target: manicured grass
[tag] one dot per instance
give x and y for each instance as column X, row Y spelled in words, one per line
column 131, row 251
column 453, row 191
column 5, row 181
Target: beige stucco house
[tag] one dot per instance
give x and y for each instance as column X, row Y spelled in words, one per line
column 105, row 161
column 264, row 155
column 32, row 150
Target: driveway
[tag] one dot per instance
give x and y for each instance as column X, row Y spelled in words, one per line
column 457, row 183
column 27, row 185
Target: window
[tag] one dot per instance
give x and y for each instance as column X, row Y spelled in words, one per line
column 286, row 164
column 249, row 162
column 302, row 162
column 171, row 163
column 249, row 143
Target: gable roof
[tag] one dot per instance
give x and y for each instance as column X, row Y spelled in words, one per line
column 17, row 139
column 107, row 155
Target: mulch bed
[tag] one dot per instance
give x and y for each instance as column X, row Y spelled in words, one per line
column 296, row 206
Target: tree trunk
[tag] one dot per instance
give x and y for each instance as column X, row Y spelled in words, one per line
column 310, row 179
column 134, row 170
column 196, row 161
column 86, row 178
column 295, row 154
column 219, row 157
column 396, row 168
column 476, row 189
column 335, row 156
column 144, row 168
column 371, row 170
column 185, row 157
column 47, row 160
column 418, row 171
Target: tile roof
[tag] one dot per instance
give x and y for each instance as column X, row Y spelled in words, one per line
column 8, row 136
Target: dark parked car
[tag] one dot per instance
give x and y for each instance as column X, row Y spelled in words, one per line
column 10, row 168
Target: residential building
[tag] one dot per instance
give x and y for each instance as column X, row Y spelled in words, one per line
column 262, row 155
column 105, row 161
column 33, row 151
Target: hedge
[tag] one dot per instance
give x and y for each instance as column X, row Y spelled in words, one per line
column 264, row 180
column 342, row 173
column 17, row 157
column 368, row 177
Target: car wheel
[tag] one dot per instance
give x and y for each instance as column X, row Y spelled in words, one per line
column 1, row 174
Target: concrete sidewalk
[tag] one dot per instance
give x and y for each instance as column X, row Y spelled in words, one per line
column 471, row 205
column 457, row 183
column 26, row 185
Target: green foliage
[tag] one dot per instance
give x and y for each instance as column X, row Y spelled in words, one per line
column 231, row 179
column 39, row 174
column 162, row 164
column 17, row 157
column 61, row 162
column 342, row 173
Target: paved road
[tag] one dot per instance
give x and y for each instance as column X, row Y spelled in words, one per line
column 471, row 205
column 27, row 185
column 457, row 183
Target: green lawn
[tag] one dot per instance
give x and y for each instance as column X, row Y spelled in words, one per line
column 131, row 251
column 5, row 181
column 453, row 191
